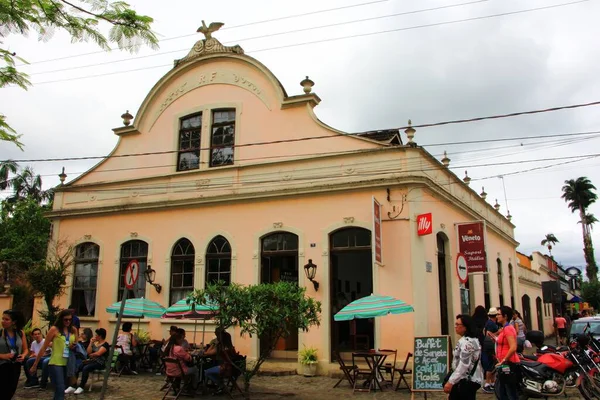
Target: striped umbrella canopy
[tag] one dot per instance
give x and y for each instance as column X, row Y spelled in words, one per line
column 138, row 308
column 373, row 306
column 183, row 309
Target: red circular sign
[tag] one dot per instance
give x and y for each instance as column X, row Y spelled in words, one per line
column 461, row 268
column 132, row 273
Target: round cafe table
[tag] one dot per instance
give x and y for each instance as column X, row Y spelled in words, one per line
column 374, row 360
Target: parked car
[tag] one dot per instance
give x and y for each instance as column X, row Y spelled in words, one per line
column 579, row 325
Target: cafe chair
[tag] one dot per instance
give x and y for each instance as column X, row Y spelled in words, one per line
column 347, row 370
column 403, row 372
column 96, row 376
column 230, row 381
column 389, row 368
column 174, row 382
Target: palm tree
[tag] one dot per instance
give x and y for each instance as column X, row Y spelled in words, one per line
column 29, row 185
column 589, row 220
column 578, row 194
column 7, row 167
column 549, row 241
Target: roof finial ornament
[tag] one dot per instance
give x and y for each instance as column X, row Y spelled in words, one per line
column 466, row 179
column 410, row 134
column 483, row 194
column 209, row 45
column 445, row 160
column 307, row 84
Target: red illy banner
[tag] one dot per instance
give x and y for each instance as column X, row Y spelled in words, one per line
column 471, row 243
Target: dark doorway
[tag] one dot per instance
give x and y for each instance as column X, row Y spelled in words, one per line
column 526, row 303
column 279, row 262
column 351, row 275
column 540, row 317
column 443, row 281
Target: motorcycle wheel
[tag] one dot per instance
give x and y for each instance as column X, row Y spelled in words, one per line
column 587, row 388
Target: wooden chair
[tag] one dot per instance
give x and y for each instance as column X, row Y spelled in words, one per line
column 403, row 372
column 348, row 370
column 389, row 368
column 230, row 381
column 364, row 372
column 174, row 381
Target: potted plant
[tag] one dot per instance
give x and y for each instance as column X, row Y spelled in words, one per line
column 308, row 358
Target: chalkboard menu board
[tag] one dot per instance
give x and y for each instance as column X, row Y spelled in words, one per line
column 430, row 363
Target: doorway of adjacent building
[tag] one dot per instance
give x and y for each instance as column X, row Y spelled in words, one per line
column 540, row 317
column 442, row 281
column 279, row 262
column 351, row 272
column 526, row 303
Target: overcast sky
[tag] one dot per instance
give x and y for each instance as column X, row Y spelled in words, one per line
column 518, row 62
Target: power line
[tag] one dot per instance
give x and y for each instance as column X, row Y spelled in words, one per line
column 225, row 28
column 266, row 36
column 332, row 39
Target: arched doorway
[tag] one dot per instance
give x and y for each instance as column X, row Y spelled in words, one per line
column 442, row 281
column 279, row 262
column 540, row 317
column 500, row 282
column 526, row 314
column 511, row 286
column 351, row 272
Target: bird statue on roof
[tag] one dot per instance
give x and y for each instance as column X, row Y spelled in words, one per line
column 208, row 30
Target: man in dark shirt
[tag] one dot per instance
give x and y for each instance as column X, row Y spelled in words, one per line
column 488, row 358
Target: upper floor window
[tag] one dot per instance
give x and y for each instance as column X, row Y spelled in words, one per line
column 222, row 138
column 188, row 156
column 182, row 270
column 85, row 278
column 133, row 250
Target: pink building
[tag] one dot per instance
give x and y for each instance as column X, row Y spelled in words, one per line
column 223, row 175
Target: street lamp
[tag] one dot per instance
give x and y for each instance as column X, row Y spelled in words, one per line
column 311, row 269
column 150, row 275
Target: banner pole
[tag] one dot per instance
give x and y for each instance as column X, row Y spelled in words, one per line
column 112, row 346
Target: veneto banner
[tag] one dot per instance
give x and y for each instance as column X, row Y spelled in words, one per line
column 471, row 243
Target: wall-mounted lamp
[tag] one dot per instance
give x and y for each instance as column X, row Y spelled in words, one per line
column 311, row 269
column 150, row 275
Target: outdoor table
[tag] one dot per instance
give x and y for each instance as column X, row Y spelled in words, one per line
column 144, row 356
column 200, row 360
column 374, row 360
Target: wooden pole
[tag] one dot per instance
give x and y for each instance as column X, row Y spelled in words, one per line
column 112, row 347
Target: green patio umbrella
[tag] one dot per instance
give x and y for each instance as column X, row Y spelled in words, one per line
column 372, row 306
column 183, row 309
column 138, row 308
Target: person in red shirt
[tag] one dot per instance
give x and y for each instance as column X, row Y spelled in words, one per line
column 561, row 325
column 507, row 379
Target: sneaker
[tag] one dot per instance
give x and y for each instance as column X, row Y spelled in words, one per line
column 79, row 390
column 488, row 389
column 134, row 372
column 70, row 390
column 31, row 385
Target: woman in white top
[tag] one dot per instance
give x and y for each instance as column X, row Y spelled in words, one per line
column 467, row 374
column 126, row 340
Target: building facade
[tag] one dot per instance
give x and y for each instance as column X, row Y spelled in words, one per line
column 224, row 176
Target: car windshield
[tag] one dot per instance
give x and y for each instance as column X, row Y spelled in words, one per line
column 578, row 327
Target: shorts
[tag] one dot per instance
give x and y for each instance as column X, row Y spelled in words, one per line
column 562, row 332
column 488, row 362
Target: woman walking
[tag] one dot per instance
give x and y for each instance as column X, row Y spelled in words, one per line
column 506, row 353
column 13, row 350
column 467, row 374
column 62, row 338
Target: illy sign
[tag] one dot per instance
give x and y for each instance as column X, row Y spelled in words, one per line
column 424, row 224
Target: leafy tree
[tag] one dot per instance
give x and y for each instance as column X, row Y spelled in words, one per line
column 6, row 168
column 27, row 184
column 50, row 278
column 269, row 311
column 549, row 241
column 81, row 19
column 579, row 195
column 24, row 232
column 590, row 291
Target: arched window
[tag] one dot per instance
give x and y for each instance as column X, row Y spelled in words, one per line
column 500, row 282
column 133, row 250
column 218, row 261
column 85, row 278
column 511, row 286
column 182, row 270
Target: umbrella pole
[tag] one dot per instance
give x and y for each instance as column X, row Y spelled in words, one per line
column 203, row 330
column 195, row 322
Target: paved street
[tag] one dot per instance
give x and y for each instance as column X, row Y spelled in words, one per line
column 146, row 386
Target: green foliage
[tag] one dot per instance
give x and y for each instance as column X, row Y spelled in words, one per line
column 24, row 232
column 269, row 311
column 308, row 355
column 81, row 19
column 27, row 329
column 143, row 336
column 50, row 278
column 590, row 291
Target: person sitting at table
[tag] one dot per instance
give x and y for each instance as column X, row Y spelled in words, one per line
column 126, row 341
column 184, row 343
column 36, row 345
column 224, row 352
column 175, row 350
column 98, row 351
column 212, row 345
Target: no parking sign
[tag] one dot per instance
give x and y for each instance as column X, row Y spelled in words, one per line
column 131, row 274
